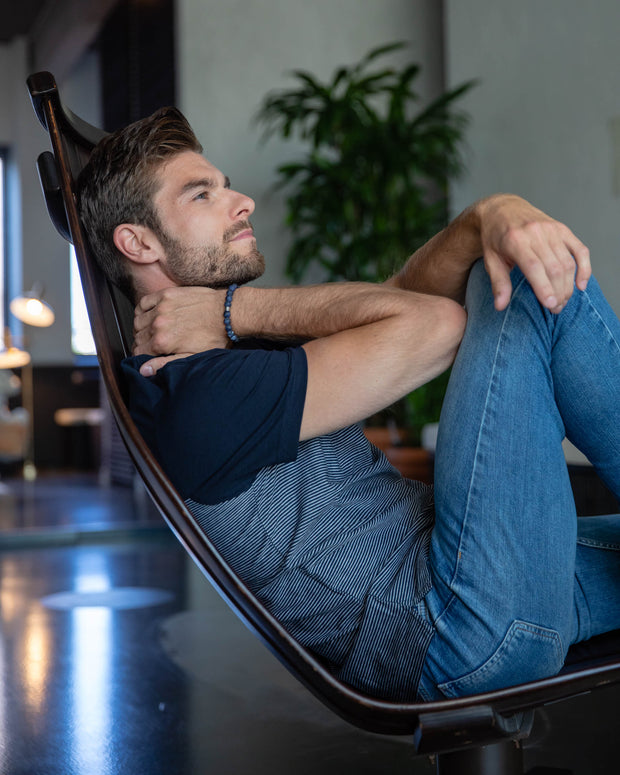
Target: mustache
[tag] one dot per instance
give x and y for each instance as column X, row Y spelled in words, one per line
column 237, row 229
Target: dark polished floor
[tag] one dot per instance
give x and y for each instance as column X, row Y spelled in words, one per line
column 117, row 658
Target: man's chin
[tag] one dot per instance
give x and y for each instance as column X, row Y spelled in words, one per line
column 252, row 271
column 243, row 274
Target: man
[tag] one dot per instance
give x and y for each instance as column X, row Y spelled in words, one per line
column 403, row 597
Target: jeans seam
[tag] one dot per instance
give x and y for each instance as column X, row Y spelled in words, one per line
column 595, row 311
column 582, row 631
column 599, row 544
column 480, row 433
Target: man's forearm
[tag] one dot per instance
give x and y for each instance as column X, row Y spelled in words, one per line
column 441, row 266
column 311, row 312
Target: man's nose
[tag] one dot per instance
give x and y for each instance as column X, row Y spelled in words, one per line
column 243, row 206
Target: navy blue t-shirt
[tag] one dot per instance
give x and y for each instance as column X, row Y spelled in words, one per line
column 237, row 411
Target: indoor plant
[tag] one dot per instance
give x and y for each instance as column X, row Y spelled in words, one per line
column 371, row 185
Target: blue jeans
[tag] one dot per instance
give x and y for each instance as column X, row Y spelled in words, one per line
column 517, row 576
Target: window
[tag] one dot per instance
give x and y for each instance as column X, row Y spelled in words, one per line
column 82, row 342
column 2, row 242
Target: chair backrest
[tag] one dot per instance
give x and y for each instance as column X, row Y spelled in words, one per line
column 436, row 725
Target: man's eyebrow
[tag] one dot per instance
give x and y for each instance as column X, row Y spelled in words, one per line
column 204, row 183
column 190, row 185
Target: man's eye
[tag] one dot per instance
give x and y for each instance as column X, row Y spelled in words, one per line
column 202, row 195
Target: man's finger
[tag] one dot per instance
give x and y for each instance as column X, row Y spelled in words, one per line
column 581, row 255
column 148, row 302
column 151, row 367
column 499, row 275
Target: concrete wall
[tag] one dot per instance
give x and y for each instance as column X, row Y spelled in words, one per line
column 231, row 54
column 543, row 113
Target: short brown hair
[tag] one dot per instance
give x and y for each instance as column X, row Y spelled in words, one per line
column 119, row 182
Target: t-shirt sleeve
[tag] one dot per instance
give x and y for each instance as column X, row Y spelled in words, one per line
column 216, row 419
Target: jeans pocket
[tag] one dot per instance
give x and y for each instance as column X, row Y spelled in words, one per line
column 528, row 652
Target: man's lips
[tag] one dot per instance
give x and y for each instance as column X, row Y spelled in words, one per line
column 245, row 234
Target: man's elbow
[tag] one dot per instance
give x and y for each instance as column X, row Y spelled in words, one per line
column 456, row 321
column 450, row 320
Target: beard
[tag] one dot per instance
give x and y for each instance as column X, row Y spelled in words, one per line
column 212, row 266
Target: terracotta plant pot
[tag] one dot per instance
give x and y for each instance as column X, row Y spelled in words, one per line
column 412, row 462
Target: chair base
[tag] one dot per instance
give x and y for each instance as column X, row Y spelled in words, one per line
column 501, row 758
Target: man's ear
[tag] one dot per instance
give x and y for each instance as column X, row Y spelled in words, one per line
column 137, row 243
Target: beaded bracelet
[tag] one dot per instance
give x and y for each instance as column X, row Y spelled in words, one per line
column 227, row 305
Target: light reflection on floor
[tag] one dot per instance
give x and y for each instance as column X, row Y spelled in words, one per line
column 90, row 714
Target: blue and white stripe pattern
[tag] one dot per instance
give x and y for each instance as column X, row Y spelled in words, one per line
column 335, row 544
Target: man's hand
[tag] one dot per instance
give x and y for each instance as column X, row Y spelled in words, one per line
column 508, row 232
column 182, row 321
column 514, row 232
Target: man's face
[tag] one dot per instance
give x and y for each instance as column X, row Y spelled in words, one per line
column 205, row 230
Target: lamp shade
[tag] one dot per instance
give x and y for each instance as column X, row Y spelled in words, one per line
column 32, row 310
column 13, row 358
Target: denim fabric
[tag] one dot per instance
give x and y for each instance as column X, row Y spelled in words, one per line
column 517, row 577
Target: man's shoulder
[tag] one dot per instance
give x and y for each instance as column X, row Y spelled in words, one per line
column 218, row 417
column 219, row 383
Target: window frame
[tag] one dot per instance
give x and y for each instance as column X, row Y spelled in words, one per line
column 4, row 221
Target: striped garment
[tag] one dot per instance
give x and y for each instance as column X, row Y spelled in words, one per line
column 335, row 545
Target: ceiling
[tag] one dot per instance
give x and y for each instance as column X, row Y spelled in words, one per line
column 17, row 17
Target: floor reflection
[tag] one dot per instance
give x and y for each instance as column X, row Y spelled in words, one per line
column 82, row 685
column 118, row 658
column 89, row 717
column 71, row 502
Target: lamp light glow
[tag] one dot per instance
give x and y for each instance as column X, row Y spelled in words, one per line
column 13, row 358
column 32, row 310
